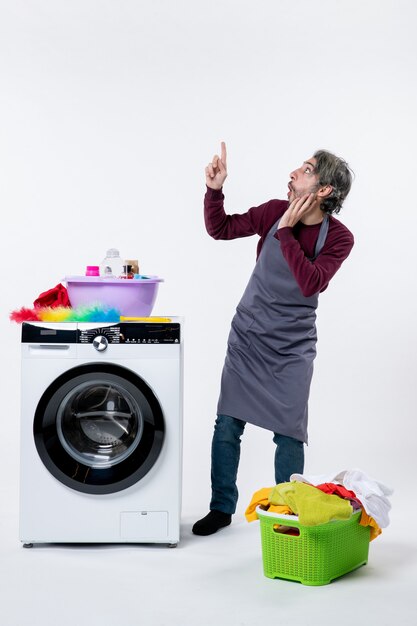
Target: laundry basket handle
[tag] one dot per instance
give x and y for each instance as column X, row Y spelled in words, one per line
column 283, row 523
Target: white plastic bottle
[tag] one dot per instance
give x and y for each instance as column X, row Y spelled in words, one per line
column 112, row 264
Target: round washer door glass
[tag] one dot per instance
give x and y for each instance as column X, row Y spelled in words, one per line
column 99, row 428
column 99, row 423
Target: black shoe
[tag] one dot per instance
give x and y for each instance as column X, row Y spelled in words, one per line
column 212, row 523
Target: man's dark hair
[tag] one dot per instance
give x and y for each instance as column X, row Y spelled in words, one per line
column 333, row 171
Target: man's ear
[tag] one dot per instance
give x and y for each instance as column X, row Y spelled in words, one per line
column 325, row 191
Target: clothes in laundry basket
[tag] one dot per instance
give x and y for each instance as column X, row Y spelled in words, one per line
column 312, row 506
column 264, row 499
column 341, row 491
column 315, row 507
column 365, row 520
column 372, row 494
column 261, row 498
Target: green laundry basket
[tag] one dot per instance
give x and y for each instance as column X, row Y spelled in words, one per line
column 315, row 556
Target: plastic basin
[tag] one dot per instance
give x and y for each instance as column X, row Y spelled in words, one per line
column 133, row 297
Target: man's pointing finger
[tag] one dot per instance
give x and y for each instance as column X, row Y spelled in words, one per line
column 223, row 153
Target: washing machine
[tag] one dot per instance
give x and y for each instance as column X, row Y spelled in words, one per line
column 101, row 432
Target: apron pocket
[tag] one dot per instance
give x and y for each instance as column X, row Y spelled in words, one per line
column 241, row 323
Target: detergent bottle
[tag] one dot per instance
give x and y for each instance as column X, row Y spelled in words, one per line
column 112, row 264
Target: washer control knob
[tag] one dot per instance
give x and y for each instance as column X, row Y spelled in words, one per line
column 100, row 343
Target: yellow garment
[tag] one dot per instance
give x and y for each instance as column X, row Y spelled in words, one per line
column 280, row 508
column 367, row 520
column 312, row 506
column 261, row 498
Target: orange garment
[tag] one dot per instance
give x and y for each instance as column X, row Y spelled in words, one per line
column 367, row 520
column 261, row 498
column 280, row 508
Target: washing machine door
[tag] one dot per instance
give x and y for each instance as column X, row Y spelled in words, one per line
column 99, row 428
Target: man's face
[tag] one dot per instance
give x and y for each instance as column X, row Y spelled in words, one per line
column 303, row 180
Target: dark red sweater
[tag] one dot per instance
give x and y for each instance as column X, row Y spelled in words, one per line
column 297, row 244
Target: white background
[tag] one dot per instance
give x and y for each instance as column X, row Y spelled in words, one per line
column 109, row 112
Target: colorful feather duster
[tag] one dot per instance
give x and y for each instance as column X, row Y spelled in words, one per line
column 90, row 313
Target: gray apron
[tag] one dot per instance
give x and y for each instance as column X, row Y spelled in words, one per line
column 271, row 347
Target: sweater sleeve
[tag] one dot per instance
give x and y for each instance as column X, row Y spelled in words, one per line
column 222, row 226
column 314, row 276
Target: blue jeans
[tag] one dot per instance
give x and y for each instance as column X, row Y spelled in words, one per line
column 225, row 455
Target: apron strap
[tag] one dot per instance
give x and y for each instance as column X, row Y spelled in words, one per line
column 324, row 229
column 321, row 239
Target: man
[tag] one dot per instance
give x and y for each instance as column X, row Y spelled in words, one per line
column 272, row 343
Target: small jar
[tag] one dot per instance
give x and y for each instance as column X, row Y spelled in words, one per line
column 127, row 272
column 92, row 270
column 134, row 263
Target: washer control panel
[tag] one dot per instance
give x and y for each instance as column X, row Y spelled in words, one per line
column 129, row 333
column 97, row 334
